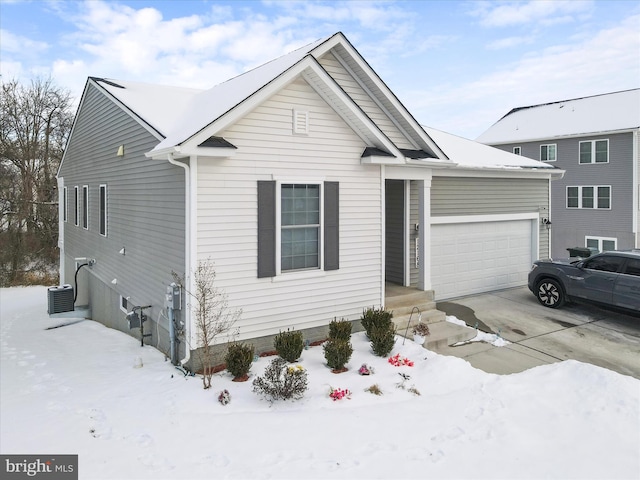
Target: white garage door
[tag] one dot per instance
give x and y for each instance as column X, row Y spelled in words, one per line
column 468, row 258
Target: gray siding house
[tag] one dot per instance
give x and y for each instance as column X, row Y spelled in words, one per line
column 595, row 141
column 305, row 182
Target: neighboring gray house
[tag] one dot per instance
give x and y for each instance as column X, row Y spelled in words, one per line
column 305, row 181
column 595, row 140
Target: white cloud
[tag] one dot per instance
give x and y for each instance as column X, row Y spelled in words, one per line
column 510, row 42
column 548, row 12
column 12, row 43
column 608, row 61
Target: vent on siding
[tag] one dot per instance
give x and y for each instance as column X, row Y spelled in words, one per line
column 300, row 122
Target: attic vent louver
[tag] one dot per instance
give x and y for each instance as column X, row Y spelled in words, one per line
column 300, row 122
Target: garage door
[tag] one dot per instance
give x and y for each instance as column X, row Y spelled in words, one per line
column 468, row 258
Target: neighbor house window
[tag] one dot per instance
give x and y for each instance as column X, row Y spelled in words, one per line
column 85, row 207
column 602, row 244
column 64, row 204
column 517, row 151
column 594, row 151
column 548, row 153
column 298, row 227
column 77, row 206
column 103, row 210
column 588, row 196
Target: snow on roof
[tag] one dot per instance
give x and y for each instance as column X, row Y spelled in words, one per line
column 469, row 154
column 162, row 107
column 215, row 102
column 179, row 113
column 581, row 116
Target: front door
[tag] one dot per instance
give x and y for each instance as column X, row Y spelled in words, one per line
column 394, row 231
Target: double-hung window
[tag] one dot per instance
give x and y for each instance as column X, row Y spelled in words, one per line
column 594, row 151
column 548, row 152
column 589, row 196
column 298, row 227
column 103, row 210
column 85, row 207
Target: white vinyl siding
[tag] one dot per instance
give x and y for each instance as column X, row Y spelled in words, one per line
column 594, row 151
column 227, row 215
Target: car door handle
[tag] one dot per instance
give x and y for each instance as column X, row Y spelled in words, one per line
column 572, row 277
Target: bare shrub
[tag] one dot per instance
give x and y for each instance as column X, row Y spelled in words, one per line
column 212, row 314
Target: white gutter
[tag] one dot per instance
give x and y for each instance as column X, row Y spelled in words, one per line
column 187, row 252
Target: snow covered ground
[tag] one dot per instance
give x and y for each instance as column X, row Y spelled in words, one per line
column 74, row 389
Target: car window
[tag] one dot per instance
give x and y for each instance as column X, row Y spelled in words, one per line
column 604, row 263
column 633, row 267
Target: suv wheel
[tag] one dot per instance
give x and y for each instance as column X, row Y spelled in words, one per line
column 549, row 293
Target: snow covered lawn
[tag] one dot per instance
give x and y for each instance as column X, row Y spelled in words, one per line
column 75, row 390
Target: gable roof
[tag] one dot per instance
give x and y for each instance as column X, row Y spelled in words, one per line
column 610, row 112
column 186, row 117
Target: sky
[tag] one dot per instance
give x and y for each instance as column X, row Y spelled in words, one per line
column 457, row 66
column 71, row 386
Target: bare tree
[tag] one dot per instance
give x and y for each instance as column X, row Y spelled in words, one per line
column 212, row 314
column 35, row 122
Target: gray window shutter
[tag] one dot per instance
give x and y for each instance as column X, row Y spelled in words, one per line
column 331, row 224
column 266, row 229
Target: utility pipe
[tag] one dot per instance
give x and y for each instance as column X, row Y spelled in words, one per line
column 187, row 254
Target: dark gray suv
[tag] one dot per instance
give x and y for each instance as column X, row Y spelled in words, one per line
column 609, row 278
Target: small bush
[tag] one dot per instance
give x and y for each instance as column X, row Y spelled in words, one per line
column 340, row 330
column 281, row 382
column 337, row 352
column 375, row 389
column 421, row 329
column 289, row 345
column 239, row 359
column 375, row 317
column 383, row 338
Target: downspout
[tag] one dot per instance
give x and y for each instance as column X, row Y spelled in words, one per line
column 61, row 204
column 187, row 252
column 635, row 182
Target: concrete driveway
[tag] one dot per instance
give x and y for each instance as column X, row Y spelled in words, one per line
column 541, row 335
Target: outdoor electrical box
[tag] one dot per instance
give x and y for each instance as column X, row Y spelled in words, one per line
column 173, row 297
column 60, row 299
column 134, row 320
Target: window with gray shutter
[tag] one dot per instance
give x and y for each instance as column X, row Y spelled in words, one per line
column 300, row 227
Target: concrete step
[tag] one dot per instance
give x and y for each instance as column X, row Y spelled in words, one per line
column 406, row 310
column 405, row 296
column 443, row 334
